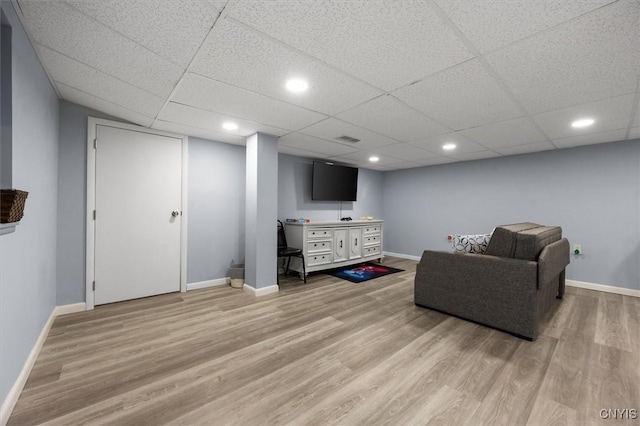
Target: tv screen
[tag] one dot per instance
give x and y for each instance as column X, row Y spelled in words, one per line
column 332, row 182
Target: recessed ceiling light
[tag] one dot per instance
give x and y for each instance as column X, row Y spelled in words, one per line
column 297, row 85
column 374, row 159
column 229, row 126
column 585, row 122
column 449, row 146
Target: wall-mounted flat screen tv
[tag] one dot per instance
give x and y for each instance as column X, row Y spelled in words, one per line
column 332, row 182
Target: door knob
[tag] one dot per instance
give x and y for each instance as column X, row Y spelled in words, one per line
column 175, row 213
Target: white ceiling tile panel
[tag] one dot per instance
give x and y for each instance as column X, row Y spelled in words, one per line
column 204, row 93
column 333, row 128
column 468, row 156
column 589, row 139
column 390, row 117
column 285, row 149
column 592, row 57
column 235, row 55
column 361, row 158
column 437, row 160
column 172, row 29
column 525, row 149
column 505, row 133
column 320, row 146
column 435, row 143
column 183, row 129
column 405, row 151
column 634, row 133
column 203, row 119
column 461, row 97
column 491, row 24
column 81, row 98
column 91, row 81
column 354, row 35
column 62, row 28
column 609, row 114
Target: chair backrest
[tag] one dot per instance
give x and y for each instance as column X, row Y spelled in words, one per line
column 282, row 238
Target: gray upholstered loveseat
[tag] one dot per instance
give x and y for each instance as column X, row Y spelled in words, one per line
column 510, row 287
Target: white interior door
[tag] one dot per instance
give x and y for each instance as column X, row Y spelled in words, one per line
column 138, row 214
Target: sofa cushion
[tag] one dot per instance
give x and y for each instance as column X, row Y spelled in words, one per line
column 530, row 242
column 471, row 243
column 503, row 239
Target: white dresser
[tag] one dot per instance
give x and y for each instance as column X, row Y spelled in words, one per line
column 328, row 245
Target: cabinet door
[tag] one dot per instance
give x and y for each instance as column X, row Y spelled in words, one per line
column 340, row 245
column 355, row 243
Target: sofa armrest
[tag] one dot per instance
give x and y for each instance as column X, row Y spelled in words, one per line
column 497, row 291
column 553, row 259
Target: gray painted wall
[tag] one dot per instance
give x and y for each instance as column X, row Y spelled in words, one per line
column 216, row 208
column 593, row 192
column 28, row 256
column 294, row 193
column 72, row 201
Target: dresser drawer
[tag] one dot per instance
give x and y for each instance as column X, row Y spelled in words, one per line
column 370, row 251
column 314, row 234
column 319, row 246
column 371, row 229
column 371, row 240
column 319, row 259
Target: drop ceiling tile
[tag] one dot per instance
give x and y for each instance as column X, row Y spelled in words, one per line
column 203, row 119
column 68, row 31
column 592, row 138
column 634, row 133
column 437, row 160
column 354, row 35
column 388, row 116
column 403, row 165
column 361, row 158
column 289, row 150
column 81, row 98
column 332, row 128
column 526, row 149
column 610, row 114
column 309, row 143
column 491, row 24
column 405, row 151
column 93, row 82
column 435, row 143
column 173, row 30
column 204, row 93
column 519, row 131
column 182, row 129
column 238, row 56
column 468, row 156
column 461, row 97
column 592, row 57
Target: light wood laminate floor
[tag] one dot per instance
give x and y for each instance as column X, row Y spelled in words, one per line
column 331, row 352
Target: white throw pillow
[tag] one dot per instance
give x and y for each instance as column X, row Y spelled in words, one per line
column 471, row 243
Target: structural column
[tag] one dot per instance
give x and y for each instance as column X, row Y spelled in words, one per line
column 261, row 212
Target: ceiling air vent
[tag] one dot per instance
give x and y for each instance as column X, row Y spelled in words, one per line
column 347, row 139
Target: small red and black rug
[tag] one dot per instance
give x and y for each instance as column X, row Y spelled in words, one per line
column 363, row 272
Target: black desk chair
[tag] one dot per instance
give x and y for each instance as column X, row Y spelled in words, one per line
column 285, row 251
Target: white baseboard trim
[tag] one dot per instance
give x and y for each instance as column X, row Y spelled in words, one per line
column 14, row 393
column 402, row 256
column 69, row 309
column 209, row 283
column 261, row 291
column 603, row 288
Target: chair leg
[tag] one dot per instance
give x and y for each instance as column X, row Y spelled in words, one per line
column 304, row 271
column 286, row 271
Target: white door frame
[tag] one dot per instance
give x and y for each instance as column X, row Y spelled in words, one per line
column 91, row 200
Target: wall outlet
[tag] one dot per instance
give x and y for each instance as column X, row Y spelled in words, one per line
column 577, row 249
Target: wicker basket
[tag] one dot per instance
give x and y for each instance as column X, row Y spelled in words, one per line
column 12, row 203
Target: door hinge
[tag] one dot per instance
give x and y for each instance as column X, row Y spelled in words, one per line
column 94, row 215
column 95, row 143
column 94, row 286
